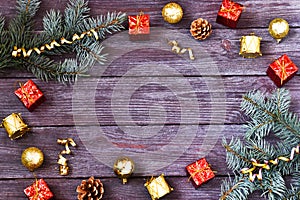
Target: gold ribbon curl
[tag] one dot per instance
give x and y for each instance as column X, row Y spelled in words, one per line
column 177, row 49
column 18, row 52
column 265, row 165
column 62, row 161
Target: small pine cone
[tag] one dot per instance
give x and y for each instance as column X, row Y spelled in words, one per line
column 92, row 189
column 200, row 29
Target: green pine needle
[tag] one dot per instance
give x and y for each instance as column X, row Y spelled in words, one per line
column 269, row 116
column 76, row 20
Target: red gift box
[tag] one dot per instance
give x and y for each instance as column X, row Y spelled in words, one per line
column 282, row 70
column 229, row 13
column 139, row 26
column 39, row 190
column 200, row 172
column 30, row 95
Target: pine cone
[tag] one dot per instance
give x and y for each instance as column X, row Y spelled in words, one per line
column 200, row 29
column 92, row 189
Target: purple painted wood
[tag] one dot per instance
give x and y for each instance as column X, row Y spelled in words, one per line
column 147, row 88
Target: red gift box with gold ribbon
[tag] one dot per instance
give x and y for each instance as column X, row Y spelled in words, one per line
column 200, row 172
column 282, row 70
column 30, row 95
column 139, row 24
column 229, row 13
column 39, row 190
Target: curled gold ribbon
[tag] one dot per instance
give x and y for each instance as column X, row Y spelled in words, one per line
column 265, row 165
column 18, row 52
column 62, row 161
column 177, row 49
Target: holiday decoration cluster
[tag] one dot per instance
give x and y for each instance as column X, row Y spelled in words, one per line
column 258, row 161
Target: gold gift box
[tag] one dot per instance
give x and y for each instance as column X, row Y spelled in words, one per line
column 250, row 46
column 158, row 187
column 14, row 126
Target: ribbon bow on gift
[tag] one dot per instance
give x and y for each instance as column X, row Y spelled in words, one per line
column 139, row 21
column 283, row 65
column 231, row 9
column 36, row 188
column 198, row 169
column 159, row 186
column 26, row 95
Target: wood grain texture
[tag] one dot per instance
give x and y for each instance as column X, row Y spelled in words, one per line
column 115, row 190
column 147, row 87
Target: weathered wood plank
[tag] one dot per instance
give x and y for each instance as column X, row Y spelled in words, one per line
column 134, row 189
column 92, row 156
column 256, row 14
column 142, row 57
column 140, row 100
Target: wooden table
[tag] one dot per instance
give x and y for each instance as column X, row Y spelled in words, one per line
column 163, row 109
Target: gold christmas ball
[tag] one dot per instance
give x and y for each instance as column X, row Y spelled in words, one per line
column 172, row 13
column 278, row 28
column 123, row 168
column 32, row 158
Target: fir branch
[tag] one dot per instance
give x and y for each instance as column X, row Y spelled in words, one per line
column 19, row 47
column 270, row 113
column 28, row 7
column 294, row 192
column 274, row 186
column 268, row 162
column 283, row 101
column 262, row 149
column 75, row 13
column 53, row 24
column 237, row 189
column 236, row 156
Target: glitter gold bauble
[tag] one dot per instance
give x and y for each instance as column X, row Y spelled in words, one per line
column 279, row 28
column 32, row 158
column 123, row 168
column 172, row 13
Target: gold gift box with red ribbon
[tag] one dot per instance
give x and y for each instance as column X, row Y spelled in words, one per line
column 282, row 70
column 30, row 95
column 199, row 172
column 39, row 190
column 229, row 13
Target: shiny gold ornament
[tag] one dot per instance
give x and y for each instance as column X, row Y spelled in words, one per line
column 279, row 28
column 158, row 187
column 32, row 158
column 123, row 168
column 14, row 126
column 250, row 46
column 172, row 13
